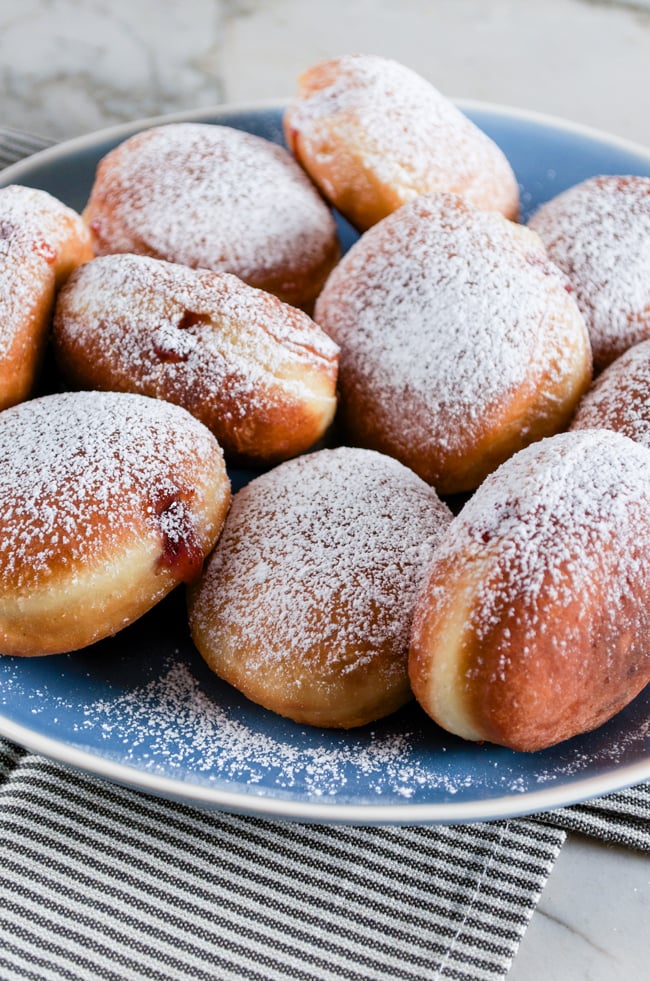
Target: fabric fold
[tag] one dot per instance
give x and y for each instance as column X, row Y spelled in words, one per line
column 622, row 818
column 115, row 883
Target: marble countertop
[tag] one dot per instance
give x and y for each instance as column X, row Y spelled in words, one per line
column 69, row 68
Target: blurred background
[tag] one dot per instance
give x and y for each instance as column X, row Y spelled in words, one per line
column 69, row 66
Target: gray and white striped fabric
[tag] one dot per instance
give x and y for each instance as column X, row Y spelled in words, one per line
column 101, row 882
column 14, row 145
column 621, row 819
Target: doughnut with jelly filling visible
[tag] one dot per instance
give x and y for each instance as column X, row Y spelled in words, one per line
column 257, row 372
column 107, row 501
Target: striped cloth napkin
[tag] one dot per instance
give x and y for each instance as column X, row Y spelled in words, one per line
column 97, row 881
column 14, row 145
column 102, row 882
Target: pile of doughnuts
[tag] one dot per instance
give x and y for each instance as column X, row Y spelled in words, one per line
column 450, row 422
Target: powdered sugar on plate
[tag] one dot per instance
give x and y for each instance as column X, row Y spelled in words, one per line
column 179, row 724
column 185, row 726
column 173, row 725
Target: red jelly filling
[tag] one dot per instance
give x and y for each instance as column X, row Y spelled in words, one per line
column 181, row 548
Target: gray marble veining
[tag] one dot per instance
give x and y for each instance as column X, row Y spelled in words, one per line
column 68, row 66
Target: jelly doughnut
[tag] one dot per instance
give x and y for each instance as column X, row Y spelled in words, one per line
column 41, row 242
column 257, row 372
column 108, row 501
column 459, row 341
column 373, row 134
column 305, row 605
column 598, row 233
column 619, row 398
column 533, row 625
column 217, row 198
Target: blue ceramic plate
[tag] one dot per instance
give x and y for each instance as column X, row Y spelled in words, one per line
column 142, row 709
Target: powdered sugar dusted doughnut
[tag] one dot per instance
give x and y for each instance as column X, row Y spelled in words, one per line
column 306, row 603
column 108, row 501
column 619, row 399
column 41, row 241
column 373, row 135
column 533, row 625
column 459, row 341
column 218, row 198
column 598, row 232
column 258, row 372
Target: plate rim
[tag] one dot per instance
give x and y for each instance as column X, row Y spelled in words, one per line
column 123, row 129
column 525, row 804
column 505, row 806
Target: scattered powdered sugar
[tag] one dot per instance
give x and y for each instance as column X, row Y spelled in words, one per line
column 620, row 397
column 600, row 747
column 175, row 726
column 79, row 470
column 183, row 726
column 214, row 197
column 442, row 314
column 408, row 135
column 598, row 233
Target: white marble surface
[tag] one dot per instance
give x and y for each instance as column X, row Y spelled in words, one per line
column 591, row 923
column 67, row 67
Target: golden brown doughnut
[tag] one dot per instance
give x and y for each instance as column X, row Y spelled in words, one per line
column 108, row 501
column 257, row 372
column 619, row 398
column 217, row 198
column 598, row 233
column 41, row 242
column 306, row 603
column 534, row 622
column 459, row 341
column 373, row 135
